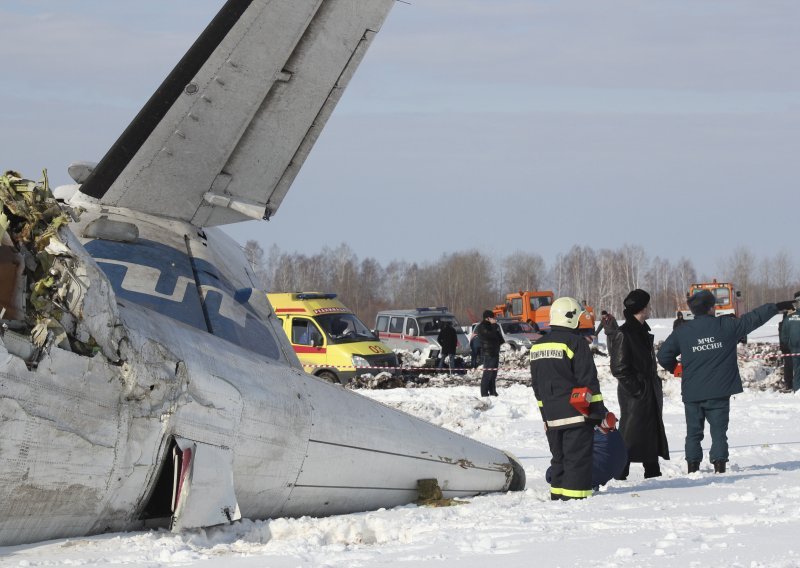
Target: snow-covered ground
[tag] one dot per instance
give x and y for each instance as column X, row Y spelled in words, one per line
column 748, row 517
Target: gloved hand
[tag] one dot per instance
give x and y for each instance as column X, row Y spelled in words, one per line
column 785, row 305
column 608, row 423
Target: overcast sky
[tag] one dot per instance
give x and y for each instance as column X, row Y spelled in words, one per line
column 500, row 125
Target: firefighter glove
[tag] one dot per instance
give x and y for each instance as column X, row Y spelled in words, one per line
column 608, row 423
column 785, row 305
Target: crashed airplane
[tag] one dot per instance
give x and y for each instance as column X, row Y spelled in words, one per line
column 144, row 380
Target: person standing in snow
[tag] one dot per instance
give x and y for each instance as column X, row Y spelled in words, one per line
column 491, row 339
column 641, row 398
column 707, row 348
column 607, row 323
column 790, row 339
column 679, row 321
column 448, row 340
column 561, row 362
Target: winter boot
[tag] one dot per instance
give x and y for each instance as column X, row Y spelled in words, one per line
column 719, row 466
column 694, row 466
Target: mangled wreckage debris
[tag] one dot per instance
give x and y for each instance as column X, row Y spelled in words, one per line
column 44, row 278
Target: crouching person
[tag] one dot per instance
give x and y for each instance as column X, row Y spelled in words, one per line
column 564, row 380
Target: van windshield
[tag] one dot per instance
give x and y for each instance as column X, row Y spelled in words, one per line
column 432, row 325
column 345, row 328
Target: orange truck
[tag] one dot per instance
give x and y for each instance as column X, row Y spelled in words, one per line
column 533, row 306
column 728, row 299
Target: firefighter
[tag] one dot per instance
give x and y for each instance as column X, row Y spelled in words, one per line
column 561, row 362
column 790, row 340
column 707, row 347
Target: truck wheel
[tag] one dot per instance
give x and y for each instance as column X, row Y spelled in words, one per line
column 328, row 376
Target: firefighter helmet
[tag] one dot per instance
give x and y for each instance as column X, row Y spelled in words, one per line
column 565, row 312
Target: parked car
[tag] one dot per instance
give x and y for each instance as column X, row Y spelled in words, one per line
column 517, row 334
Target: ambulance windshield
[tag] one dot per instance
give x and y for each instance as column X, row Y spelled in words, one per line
column 345, row 328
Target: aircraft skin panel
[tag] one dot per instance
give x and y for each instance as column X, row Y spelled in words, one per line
column 233, row 139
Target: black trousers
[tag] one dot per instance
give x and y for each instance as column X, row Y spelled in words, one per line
column 571, row 465
column 489, row 379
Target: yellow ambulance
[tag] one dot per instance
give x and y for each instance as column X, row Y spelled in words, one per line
column 328, row 338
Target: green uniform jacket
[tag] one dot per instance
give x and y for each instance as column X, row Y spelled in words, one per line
column 707, row 346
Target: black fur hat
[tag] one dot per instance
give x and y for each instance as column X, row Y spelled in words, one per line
column 636, row 301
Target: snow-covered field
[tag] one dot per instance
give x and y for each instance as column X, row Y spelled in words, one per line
column 748, row 517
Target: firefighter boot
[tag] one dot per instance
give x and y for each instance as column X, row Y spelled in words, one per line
column 693, row 466
column 719, row 466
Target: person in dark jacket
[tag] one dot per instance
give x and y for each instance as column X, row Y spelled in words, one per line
column 641, row 398
column 561, row 361
column 679, row 321
column 491, row 339
column 448, row 340
column 607, row 323
column 789, row 333
column 707, row 348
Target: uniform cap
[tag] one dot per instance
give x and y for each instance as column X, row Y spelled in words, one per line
column 701, row 302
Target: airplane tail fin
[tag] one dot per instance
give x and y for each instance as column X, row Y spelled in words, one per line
column 225, row 134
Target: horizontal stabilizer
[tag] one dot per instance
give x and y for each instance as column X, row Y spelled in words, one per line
column 224, row 136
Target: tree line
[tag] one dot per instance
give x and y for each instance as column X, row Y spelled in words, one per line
column 469, row 282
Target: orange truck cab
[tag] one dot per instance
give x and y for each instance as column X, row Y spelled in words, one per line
column 728, row 300
column 328, row 338
column 533, row 306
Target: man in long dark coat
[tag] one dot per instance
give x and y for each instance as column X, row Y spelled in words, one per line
column 641, row 398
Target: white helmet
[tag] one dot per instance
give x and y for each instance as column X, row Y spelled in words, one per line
column 565, row 312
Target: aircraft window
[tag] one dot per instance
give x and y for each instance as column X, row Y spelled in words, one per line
column 396, row 325
column 160, row 278
column 151, row 275
column 383, row 323
column 229, row 319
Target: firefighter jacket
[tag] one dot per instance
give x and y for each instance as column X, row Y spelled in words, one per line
column 561, row 361
column 707, row 347
column 641, row 398
column 790, row 332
